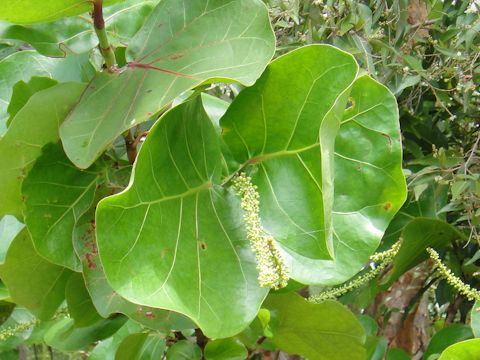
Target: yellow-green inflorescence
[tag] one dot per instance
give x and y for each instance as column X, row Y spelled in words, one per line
column 447, row 274
column 383, row 259
column 17, row 329
column 273, row 272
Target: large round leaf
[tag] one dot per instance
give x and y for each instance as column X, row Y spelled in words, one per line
column 329, row 177
column 173, row 236
column 281, row 138
column 181, row 45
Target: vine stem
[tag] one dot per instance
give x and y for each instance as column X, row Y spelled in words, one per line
column 99, row 24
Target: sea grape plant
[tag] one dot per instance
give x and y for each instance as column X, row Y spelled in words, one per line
column 294, row 181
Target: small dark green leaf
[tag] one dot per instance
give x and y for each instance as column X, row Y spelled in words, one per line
column 23, row 65
column 80, row 305
column 64, row 336
column 225, row 349
column 184, row 350
column 107, row 348
column 446, row 337
column 23, row 91
column 142, row 346
column 325, row 331
column 419, row 234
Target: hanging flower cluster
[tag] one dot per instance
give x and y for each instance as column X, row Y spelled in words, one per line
column 271, row 266
column 447, row 274
column 383, row 259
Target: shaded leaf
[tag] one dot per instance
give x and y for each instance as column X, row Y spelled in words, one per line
column 64, row 336
column 18, row 316
column 80, row 305
column 32, row 11
column 34, row 126
column 75, row 35
column 141, row 346
column 184, row 350
column 446, row 337
column 25, row 64
column 23, row 91
column 56, row 194
column 325, row 331
column 178, row 48
column 32, row 281
column 225, row 349
column 107, row 349
column 419, row 234
column 9, row 229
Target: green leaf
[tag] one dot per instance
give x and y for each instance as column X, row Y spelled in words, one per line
column 53, row 206
column 34, row 126
column 56, row 194
column 25, row 64
column 105, row 299
column 6, row 309
column 142, row 346
column 193, row 43
column 184, row 350
column 282, row 137
column 23, row 91
column 397, row 354
column 446, row 337
column 65, row 336
column 75, row 35
column 475, row 319
column 419, row 234
column 169, row 240
column 106, row 349
column 80, row 305
column 32, row 281
column 32, row 11
column 303, row 206
column 9, row 229
column 325, row 331
column 465, row 350
column 225, row 349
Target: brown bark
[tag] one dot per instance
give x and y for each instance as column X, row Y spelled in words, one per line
column 406, row 331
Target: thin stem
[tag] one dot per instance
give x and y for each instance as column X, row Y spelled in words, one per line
column 99, row 24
